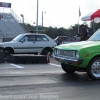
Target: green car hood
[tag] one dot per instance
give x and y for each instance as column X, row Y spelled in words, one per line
column 78, row 45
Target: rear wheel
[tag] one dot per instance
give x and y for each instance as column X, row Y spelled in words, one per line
column 67, row 68
column 46, row 51
column 93, row 70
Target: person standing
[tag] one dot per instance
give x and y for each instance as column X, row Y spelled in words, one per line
column 83, row 32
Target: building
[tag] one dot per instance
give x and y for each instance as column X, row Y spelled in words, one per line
column 10, row 25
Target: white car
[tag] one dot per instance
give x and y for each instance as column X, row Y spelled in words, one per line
column 29, row 43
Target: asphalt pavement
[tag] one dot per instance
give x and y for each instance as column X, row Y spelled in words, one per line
column 45, row 82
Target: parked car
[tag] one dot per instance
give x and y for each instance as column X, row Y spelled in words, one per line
column 80, row 56
column 29, row 43
column 62, row 40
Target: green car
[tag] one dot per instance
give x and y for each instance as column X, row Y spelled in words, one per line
column 80, row 56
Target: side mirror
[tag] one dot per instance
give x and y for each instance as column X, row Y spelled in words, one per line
column 22, row 41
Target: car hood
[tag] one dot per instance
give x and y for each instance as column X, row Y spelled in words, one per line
column 3, row 43
column 78, row 45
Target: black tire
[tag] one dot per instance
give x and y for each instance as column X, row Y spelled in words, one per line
column 93, row 69
column 46, row 51
column 8, row 51
column 67, row 68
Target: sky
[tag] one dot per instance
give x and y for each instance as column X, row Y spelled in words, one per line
column 56, row 13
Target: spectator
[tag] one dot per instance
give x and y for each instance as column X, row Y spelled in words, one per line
column 83, row 32
column 77, row 37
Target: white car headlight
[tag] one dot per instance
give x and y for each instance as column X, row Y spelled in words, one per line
column 77, row 55
column 66, row 53
column 55, row 52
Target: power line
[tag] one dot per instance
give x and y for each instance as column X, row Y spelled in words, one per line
column 49, row 21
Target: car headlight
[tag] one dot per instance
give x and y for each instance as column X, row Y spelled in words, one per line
column 77, row 55
column 55, row 52
column 66, row 53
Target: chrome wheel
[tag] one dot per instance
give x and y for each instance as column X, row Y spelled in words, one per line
column 95, row 68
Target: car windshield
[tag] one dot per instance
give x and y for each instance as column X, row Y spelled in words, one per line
column 95, row 36
column 18, row 38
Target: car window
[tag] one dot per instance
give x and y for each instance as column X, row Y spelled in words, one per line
column 42, row 38
column 65, row 38
column 18, row 38
column 61, row 37
column 24, row 39
column 29, row 38
column 95, row 36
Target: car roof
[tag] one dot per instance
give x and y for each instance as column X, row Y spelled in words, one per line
column 62, row 36
column 33, row 34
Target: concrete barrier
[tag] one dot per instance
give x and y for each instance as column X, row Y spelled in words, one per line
column 2, row 57
column 27, row 58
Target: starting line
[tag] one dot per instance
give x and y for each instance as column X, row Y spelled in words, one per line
column 23, row 67
column 54, row 64
column 16, row 66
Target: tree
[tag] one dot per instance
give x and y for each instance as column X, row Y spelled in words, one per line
column 54, row 32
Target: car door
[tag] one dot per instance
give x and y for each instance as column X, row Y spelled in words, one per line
column 42, row 41
column 27, row 44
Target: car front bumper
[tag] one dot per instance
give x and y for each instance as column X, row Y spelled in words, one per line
column 68, row 60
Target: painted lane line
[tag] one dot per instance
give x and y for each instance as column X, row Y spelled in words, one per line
column 17, row 66
column 55, row 64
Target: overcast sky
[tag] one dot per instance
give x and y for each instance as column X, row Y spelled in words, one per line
column 59, row 13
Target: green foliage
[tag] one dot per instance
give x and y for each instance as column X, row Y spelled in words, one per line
column 54, row 32
column 97, row 26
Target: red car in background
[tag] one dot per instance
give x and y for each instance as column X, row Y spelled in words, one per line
column 63, row 39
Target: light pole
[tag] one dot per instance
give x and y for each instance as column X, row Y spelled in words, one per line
column 37, row 19
column 42, row 18
column 22, row 17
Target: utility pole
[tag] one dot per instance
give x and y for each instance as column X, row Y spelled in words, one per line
column 22, row 17
column 37, row 19
column 42, row 18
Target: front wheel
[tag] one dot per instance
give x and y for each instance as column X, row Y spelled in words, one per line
column 93, row 70
column 8, row 51
column 67, row 68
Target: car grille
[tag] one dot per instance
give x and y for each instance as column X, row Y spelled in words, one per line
column 65, row 53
